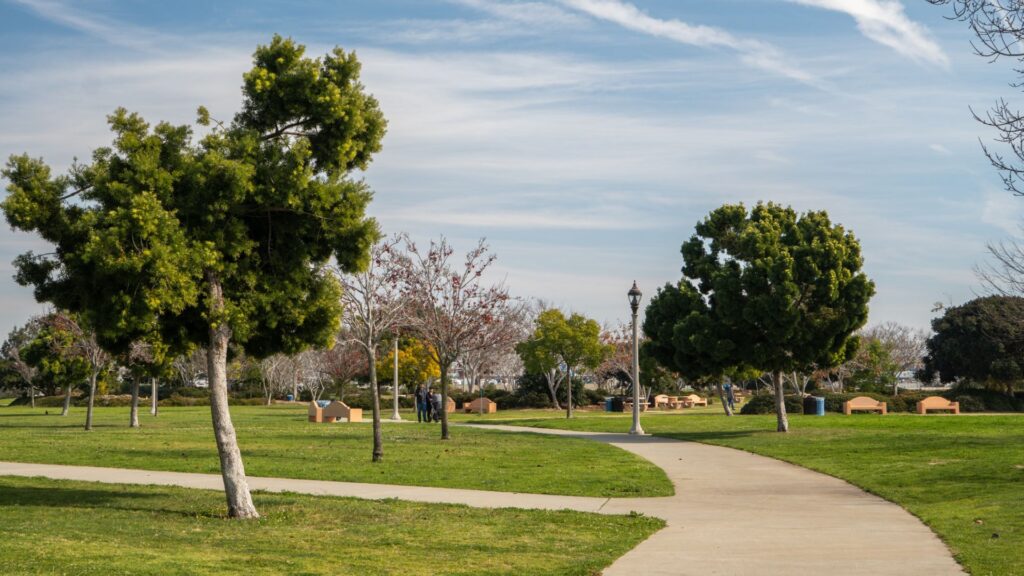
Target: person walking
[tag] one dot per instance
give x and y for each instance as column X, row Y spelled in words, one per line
column 418, row 396
column 729, row 396
column 435, row 405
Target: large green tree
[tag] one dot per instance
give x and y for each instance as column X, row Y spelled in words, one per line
column 572, row 343
column 981, row 341
column 765, row 288
column 224, row 239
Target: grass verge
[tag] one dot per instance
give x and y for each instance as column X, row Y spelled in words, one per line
column 62, row 527
column 277, row 441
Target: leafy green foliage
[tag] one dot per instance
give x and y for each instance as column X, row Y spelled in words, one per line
column 981, row 341
column 556, row 340
column 767, row 288
column 258, row 206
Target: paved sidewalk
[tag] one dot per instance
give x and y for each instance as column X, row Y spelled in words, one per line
column 740, row 514
column 734, row 513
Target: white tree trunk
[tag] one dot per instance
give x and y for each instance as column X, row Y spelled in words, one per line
column 92, row 398
column 67, row 401
column 550, row 378
column 568, row 391
column 236, row 488
column 780, row 404
column 133, row 420
column 154, row 397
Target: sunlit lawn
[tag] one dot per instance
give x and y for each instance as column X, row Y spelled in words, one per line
column 962, row 475
column 278, row 441
column 60, row 527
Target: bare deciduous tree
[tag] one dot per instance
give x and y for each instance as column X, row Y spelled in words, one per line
column 449, row 305
column 18, row 339
column 374, row 309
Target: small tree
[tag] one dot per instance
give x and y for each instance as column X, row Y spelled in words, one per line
column 450, row 308
column 13, row 351
column 575, row 342
column 374, row 308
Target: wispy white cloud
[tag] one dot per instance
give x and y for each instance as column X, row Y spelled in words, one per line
column 113, row 32
column 526, row 12
column 885, row 22
column 753, row 52
column 940, row 149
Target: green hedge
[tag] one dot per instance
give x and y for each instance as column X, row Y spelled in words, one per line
column 765, row 404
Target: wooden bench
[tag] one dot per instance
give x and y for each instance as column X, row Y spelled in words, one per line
column 865, row 404
column 937, row 403
column 694, row 400
column 661, row 401
column 489, row 406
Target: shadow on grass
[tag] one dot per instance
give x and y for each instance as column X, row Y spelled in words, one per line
column 84, row 498
column 706, row 436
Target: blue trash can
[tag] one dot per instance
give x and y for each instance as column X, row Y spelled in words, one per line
column 290, row 398
column 819, row 406
column 608, row 404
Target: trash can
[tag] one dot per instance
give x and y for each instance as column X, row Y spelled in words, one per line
column 290, row 398
column 608, row 404
column 617, row 405
column 814, row 406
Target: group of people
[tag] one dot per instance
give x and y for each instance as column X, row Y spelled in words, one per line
column 428, row 404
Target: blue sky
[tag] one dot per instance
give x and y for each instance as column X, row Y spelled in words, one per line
column 583, row 138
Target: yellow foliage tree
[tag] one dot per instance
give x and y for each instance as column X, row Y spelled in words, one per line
column 416, row 364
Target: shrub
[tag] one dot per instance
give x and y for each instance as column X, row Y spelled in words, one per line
column 765, row 404
column 970, row 403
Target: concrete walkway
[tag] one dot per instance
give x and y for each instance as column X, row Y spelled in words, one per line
column 740, row 514
column 734, row 513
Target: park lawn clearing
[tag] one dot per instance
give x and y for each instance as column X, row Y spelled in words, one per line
column 962, row 475
column 277, row 441
column 66, row 527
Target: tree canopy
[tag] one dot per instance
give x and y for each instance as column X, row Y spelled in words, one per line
column 981, row 341
column 763, row 288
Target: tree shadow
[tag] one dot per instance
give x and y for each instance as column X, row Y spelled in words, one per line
column 86, row 498
column 709, row 435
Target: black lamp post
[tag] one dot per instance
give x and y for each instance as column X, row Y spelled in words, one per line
column 634, row 295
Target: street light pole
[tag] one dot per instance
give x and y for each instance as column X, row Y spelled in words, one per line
column 395, row 415
column 634, row 304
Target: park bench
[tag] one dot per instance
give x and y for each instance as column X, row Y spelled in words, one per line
column 694, row 400
column 660, row 401
column 489, row 406
column 675, row 402
column 865, row 404
column 937, row 403
column 333, row 411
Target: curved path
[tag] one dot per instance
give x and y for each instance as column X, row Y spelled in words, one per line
column 734, row 513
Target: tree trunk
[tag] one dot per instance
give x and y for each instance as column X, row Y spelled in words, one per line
column 32, row 395
column 269, row 396
column 154, row 397
column 780, row 404
column 67, row 401
column 568, row 391
column 723, row 399
column 378, row 437
column 232, row 470
column 444, row 401
column 550, row 377
column 133, row 421
column 92, row 399
column 396, row 415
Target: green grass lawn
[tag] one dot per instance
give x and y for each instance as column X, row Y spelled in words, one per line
column 962, row 475
column 60, row 527
column 278, row 441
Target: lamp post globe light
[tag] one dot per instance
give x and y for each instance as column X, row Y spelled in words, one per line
column 634, row 295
